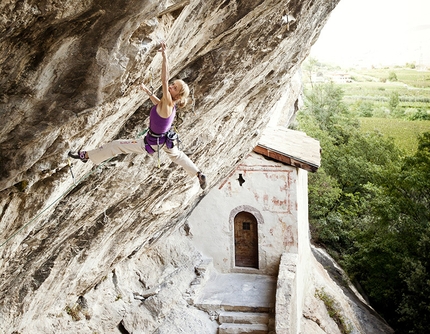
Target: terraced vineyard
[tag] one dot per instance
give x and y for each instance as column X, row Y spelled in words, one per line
column 402, row 131
column 369, row 92
column 412, row 86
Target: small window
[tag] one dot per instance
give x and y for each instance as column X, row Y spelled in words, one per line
column 246, row 226
column 241, row 180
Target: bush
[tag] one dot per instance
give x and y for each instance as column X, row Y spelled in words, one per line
column 392, row 76
column 394, row 105
column 418, row 115
column 364, row 109
column 381, row 112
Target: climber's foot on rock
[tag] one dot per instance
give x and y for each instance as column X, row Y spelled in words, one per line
column 81, row 155
column 202, row 180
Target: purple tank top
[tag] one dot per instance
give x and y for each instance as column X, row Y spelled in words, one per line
column 158, row 124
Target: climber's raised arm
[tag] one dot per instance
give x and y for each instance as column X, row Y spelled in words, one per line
column 166, row 100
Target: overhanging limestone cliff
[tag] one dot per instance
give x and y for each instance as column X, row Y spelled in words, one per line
column 70, row 76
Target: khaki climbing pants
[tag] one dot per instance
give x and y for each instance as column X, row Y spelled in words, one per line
column 122, row 146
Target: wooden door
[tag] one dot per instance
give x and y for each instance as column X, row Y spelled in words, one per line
column 245, row 240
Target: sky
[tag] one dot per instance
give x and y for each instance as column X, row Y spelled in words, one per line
column 376, row 32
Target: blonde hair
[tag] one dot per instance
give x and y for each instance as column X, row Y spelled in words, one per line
column 183, row 94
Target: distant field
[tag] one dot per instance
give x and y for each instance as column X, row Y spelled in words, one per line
column 380, row 92
column 372, row 85
column 411, row 77
column 413, row 87
column 403, row 132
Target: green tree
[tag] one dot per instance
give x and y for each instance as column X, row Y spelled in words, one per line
column 391, row 256
column 419, row 115
column 392, row 76
column 350, row 161
column 362, row 108
column 370, row 207
column 310, row 66
column 324, row 104
column 393, row 101
column 394, row 105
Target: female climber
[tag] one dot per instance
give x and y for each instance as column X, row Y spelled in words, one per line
column 159, row 135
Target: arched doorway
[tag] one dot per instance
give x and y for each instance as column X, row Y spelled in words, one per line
column 246, row 240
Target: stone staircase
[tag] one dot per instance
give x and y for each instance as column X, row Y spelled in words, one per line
column 232, row 322
column 242, row 303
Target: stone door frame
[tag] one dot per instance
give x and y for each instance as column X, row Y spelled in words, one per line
column 259, row 219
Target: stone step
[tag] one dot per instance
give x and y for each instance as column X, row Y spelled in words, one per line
column 244, row 318
column 229, row 307
column 243, row 328
column 213, row 306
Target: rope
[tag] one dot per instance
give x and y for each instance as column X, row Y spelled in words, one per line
column 158, row 151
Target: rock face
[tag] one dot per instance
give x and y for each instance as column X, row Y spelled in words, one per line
column 70, row 78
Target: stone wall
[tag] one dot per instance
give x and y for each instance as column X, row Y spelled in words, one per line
column 269, row 193
column 287, row 308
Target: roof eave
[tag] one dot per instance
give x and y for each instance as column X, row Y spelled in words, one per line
column 287, row 159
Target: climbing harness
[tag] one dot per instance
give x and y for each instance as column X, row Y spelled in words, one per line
column 169, row 140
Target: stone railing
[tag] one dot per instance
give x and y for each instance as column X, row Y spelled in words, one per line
column 287, row 308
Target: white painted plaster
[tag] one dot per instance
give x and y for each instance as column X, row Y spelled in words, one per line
column 270, row 194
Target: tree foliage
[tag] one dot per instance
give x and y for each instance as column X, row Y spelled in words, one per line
column 310, row 67
column 362, row 108
column 371, row 208
column 394, row 105
column 392, row 76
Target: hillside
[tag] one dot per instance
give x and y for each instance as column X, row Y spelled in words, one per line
column 369, row 91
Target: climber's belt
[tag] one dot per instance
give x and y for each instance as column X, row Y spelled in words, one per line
column 167, row 138
column 156, row 135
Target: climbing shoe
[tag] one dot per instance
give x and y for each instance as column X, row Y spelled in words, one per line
column 202, row 180
column 80, row 155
